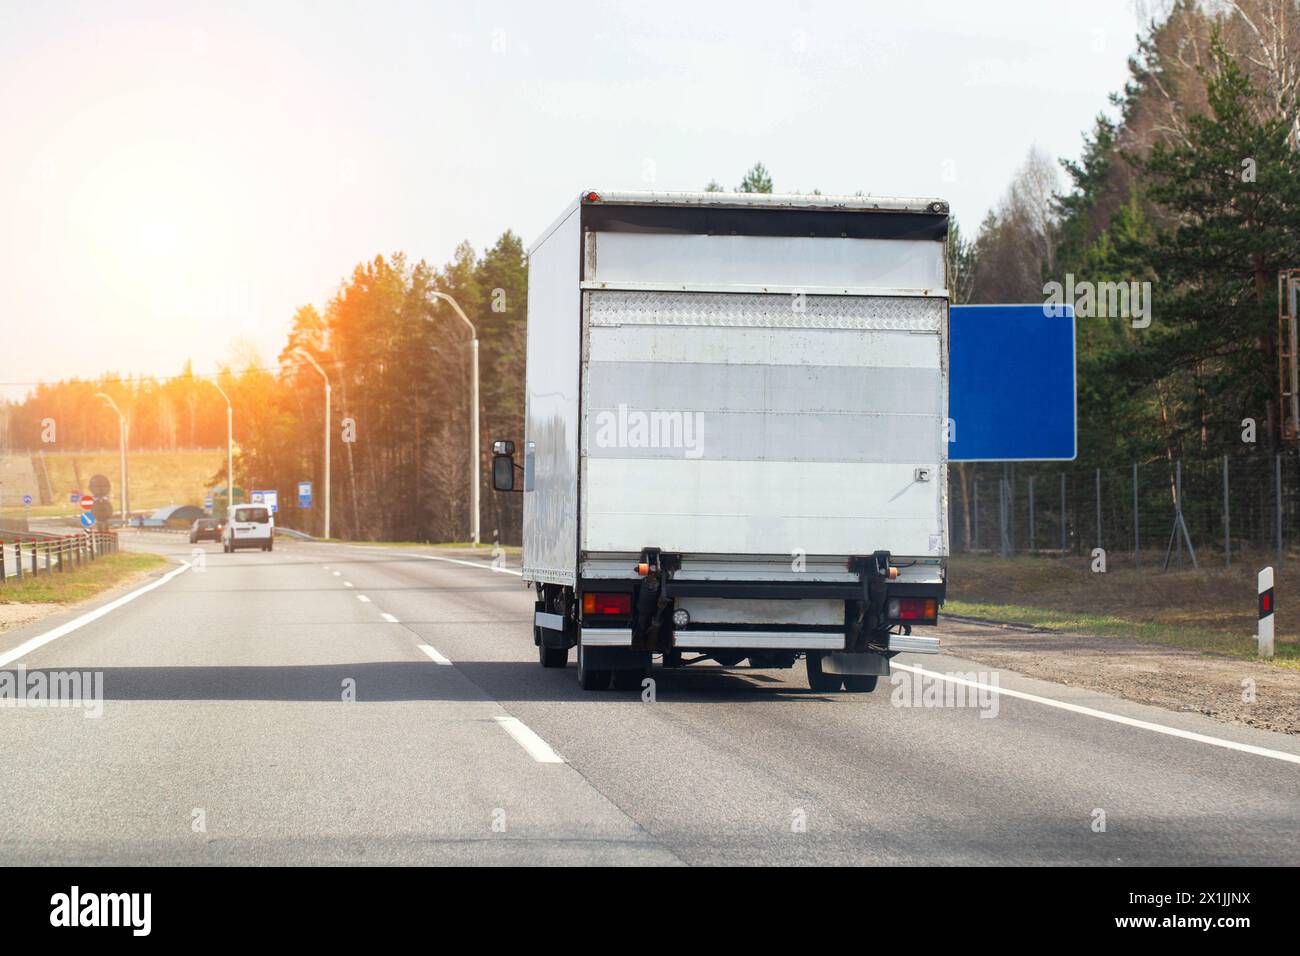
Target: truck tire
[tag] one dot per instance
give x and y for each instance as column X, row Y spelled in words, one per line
column 589, row 678
column 860, row 683
column 552, row 656
column 818, row 680
column 629, row 680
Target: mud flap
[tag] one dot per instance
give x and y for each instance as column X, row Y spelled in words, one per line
column 848, row 663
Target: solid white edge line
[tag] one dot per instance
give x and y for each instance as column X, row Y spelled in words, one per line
column 433, row 654
column 535, row 746
column 1106, row 715
column 8, row 657
column 363, row 599
column 435, row 557
column 389, row 618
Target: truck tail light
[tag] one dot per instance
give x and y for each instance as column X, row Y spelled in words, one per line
column 609, row 604
column 913, row 609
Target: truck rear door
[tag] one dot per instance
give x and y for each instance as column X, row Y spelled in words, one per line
column 757, row 394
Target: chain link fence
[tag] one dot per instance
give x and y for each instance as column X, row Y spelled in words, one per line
column 1181, row 513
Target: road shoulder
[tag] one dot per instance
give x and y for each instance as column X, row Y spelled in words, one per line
column 1227, row 689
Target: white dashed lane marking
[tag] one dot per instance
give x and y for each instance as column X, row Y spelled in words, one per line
column 434, row 655
column 527, row 738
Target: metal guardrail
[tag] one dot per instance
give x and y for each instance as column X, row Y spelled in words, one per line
column 37, row 553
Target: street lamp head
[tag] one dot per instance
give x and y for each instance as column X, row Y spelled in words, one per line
column 459, row 311
column 222, row 391
column 111, row 404
column 314, row 364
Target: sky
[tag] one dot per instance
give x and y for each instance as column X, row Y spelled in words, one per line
column 177, row 178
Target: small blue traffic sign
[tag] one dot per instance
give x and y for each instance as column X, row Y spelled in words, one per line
column 87, row 519
column 304, row 494
column 27, row 500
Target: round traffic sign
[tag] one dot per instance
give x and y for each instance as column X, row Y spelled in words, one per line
column 99, row 486
column 86, row 502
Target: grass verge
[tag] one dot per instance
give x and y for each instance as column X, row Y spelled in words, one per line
column 1212, row 611
column 85, row 582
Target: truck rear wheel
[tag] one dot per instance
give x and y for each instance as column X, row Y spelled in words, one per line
column 588, row 677
column 818, row 679
column 860, row 683
column 629, row 680
column 552, row 656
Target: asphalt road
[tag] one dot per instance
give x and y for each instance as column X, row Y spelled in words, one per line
column 336, row 704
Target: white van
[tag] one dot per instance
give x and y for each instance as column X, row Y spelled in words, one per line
column 250, row 526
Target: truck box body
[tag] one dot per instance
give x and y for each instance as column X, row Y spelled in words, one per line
column 755, row 385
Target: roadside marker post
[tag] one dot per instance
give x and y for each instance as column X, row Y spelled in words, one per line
column 1266, row 608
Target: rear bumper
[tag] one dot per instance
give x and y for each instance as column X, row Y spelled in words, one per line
column 913, row 644
column 753, row 640
column 249, row 542
column 759, row 640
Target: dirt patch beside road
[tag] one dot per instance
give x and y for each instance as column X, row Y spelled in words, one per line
column 1169, row 677
column 38, row 596
column 20, row 615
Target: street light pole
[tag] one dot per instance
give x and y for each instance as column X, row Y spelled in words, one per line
column 230, row 451
column 307, row 355
column 473, row 415
column 121, row 446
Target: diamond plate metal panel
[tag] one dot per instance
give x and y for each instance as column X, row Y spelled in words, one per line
column 868, row 313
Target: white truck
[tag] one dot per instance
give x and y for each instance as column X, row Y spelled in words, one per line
column 735, row 443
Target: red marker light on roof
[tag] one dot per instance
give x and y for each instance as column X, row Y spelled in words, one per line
column 593, row 197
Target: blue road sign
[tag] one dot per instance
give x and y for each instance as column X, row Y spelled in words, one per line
column 87, row 519
column 304, row 494
column 27, row 501
column 74, row 496
column 1011, row 388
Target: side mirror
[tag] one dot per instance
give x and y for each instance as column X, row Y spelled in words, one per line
column 503, row 473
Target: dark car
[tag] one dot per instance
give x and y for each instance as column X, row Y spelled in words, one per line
column 205, row 529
